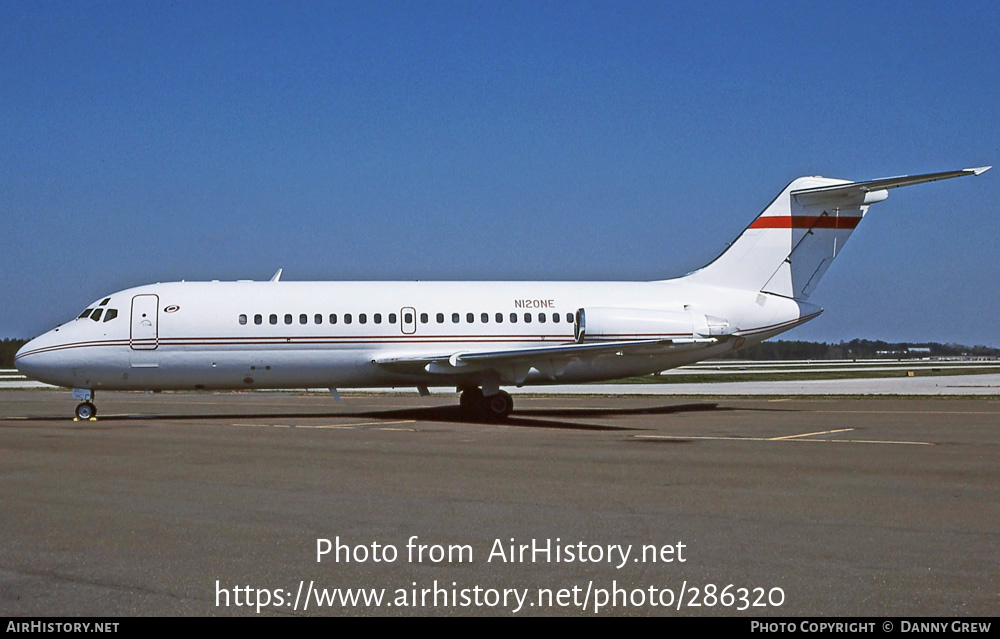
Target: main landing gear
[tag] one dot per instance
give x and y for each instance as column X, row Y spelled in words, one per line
column 493, row 407
column 85, row 411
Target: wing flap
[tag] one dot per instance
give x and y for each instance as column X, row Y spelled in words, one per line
column 469, row 361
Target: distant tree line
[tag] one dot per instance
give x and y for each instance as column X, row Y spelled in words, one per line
column 8, row 348
column 858, row 349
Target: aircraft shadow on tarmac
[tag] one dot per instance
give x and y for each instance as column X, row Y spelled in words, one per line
column 536, row 417
column 524, row 418
column 543, row 417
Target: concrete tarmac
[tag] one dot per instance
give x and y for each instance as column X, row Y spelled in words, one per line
column 208, row 504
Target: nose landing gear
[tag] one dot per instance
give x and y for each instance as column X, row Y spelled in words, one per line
column 85, row 411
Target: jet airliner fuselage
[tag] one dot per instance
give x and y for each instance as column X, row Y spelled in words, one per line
column 474, row 336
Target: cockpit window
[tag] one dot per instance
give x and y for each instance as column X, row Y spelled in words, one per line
column 111, row 314
column 86, row 313
column 96, row 315
column 105, row 301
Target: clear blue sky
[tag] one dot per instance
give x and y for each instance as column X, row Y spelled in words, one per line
column 153, row 141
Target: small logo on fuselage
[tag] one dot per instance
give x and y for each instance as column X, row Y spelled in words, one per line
column 173, row 308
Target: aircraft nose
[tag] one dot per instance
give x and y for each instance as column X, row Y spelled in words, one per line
column 25, row 358
column 48, row 359
column 40, row 360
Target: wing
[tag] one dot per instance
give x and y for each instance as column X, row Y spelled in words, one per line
column 513, row 365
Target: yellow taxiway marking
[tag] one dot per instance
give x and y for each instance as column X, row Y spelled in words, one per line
column 865, row 441
column 401, row 421
column 75, row 419
column 347, row 426
column 819, row 432
column 558, row 407
column 783, row 440
column 324, row 426
column 333, row 426
column 265, row 425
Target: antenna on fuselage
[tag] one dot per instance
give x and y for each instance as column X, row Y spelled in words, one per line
column 277, row 276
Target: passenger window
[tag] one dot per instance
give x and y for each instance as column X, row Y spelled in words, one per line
column 362, row 319
column 317, row 319
column 513, row 318
column 86, row 313
column 243, row 319
column 113, row 313
column 485, row 318
column 423, row 318
column 288, row 318
column 569, row 318
column 527, row 318
column 347, row 318
column 96, row 315
column 273, row 319
column 440, row 318
column 499, row 318
column 303, row 318
column 392, row 318
column 408, row 318
column 258, row 319
column 333, row 318
column 378, row 318
column 454, row 318
column 470, row 318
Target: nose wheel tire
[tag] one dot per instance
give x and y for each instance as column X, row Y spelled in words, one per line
column 86, row 411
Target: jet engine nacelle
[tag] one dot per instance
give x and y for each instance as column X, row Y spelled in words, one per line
column 621, row 324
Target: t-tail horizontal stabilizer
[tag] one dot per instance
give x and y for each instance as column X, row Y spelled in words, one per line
column 870, row 192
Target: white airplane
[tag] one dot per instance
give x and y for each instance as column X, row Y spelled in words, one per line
column 474, row 336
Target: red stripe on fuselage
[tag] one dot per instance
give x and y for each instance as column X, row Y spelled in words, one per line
column 805, row 222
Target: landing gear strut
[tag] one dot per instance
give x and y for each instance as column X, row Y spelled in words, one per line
column 490, row 407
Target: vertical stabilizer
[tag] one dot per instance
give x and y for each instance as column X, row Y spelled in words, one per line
column 788, row 248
